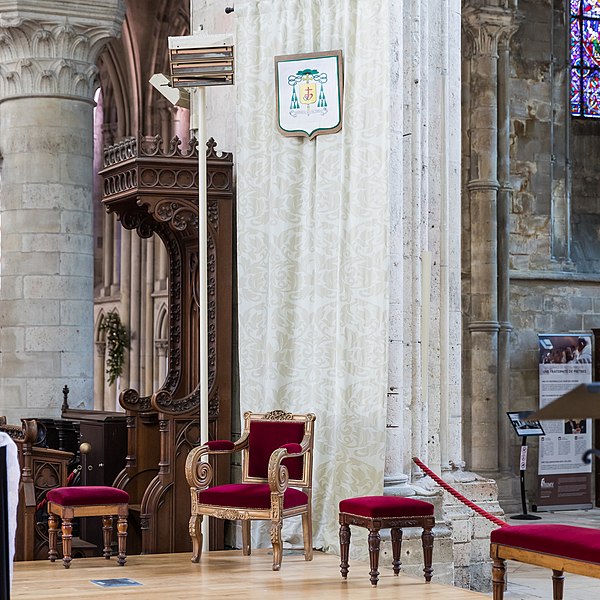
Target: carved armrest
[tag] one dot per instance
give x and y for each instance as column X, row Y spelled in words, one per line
column 277, row 472
column 199, row 472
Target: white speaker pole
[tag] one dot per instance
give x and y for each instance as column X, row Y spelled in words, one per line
column 203, row 279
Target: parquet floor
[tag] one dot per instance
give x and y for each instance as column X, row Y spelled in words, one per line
column 221, row 575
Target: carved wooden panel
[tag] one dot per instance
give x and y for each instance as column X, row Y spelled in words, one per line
column 154, row 190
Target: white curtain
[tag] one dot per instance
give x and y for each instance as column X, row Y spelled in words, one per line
column 313, row 245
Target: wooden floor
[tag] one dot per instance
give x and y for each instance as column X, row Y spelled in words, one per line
column 221, row 575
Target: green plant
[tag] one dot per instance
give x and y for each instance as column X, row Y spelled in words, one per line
column 117, row 341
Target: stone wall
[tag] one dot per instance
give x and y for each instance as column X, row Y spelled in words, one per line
column 585, row 197
column 555, row 218
column 544, row 306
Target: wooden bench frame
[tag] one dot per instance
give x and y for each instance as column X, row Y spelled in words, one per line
column 500, row 553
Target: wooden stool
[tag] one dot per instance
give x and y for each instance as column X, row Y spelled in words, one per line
column 386, row 512
column 86, row 501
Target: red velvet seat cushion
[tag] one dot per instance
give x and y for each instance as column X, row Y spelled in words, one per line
column 386, row 506
column 87, row 495
column 267, row 436
column 249, row 495
column 220, row 445
column 568, row 541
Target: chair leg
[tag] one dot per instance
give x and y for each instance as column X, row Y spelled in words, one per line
column 427, row 541
column 558, row 583
column 122, row 539
column 344, row 549
column 67, row 536
column 307, row 535
column 246, row 537
column 107, row 528
column 374, row 542
column 498, row 578
column 195, row 529
column 396, row 534
column 52, row 537
column 277, row 543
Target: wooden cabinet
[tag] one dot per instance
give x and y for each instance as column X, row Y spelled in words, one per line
column 106, row 434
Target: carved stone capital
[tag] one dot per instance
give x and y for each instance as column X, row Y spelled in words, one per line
column 50, row 48
column 489, row 28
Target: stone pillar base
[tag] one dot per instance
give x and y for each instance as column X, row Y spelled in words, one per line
column 470, row 531
column 462, row 537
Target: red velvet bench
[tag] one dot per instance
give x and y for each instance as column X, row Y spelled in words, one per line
column 557, row 547
column 386, row 512
column 86, row 501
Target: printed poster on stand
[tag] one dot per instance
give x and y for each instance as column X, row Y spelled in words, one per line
column 564, row 480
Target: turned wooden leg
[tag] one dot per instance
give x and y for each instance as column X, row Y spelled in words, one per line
column 396, row 534
column 67, row 536
column 307, row 535
column 246, row 537
column 52, row 537
column 558, row 584
column 374, row 542
column 195, row 529
column 122, row 539
column 277, row 543
column 344, row 549
column 107, row 527
column 427, row 541
column 498, row 578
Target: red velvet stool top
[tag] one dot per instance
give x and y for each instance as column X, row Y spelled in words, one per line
column 87, row 495
column 386, row 506
column 568, row 541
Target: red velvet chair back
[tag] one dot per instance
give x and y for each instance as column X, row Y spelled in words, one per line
column 266, row 435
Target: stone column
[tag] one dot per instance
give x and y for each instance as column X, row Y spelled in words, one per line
column 505, row 432
column 148, row 354
column 135, row 311
column 107, row 254
column 485, row 27
column 560, row 141
column 116, row 245
column 125, row 314
column 99, row 369
column 424, row 397
column 47, row 78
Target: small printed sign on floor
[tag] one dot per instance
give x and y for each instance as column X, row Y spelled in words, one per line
column 121, row 582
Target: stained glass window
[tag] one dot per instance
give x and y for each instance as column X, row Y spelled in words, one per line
column 585, row 58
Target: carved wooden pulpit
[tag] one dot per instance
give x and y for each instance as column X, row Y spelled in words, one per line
column 155, row 191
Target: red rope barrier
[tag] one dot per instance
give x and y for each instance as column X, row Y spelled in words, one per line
column 459, row 496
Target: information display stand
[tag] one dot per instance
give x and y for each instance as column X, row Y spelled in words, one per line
column 524, row 429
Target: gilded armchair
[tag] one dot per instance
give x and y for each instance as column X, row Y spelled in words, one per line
column 277, row 449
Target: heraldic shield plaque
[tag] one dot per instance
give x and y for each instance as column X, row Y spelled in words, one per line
column 309, row 93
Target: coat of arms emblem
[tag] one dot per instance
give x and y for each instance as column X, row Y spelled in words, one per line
column 309, row 93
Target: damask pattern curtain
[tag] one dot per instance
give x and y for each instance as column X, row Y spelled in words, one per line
column 313, row 245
